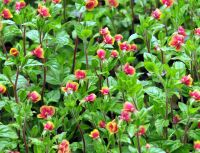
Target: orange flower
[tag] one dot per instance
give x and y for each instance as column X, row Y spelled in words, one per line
column 195, row 95
column 91, row 4
column 63, row 147
column 156, row 14
column 49, row 126
column 80, row 74
column 187, row 80
column 2, row 89
column 70, row 87
column 177, row 41
column 104, row 90
column 168, row 3
column 34, row 96
column 128, row 69
column 6, row 14
column 112, row 127
column 14, row 52
column 197, row 145
column 43, row 11
column 38, row 52
column 113, row 3
column 56, row 1
column 94, row 134
column 46, row 112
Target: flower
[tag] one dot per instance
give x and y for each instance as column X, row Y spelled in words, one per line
column 141, row 131
column 133, row 47
column 125, row 116
column 114, row 54
column 46, row 112
column 13, row 152
column 94, row 134
column 6, row 14
column 128, row 69
column 14, row 52
column 91, row 4
column 70, row 87
column 176, row 119
column 181, row 31
column 63, row 147
column 43, row 11
column 112, row 127
column 2, row 89
column 199, row 125
column 168, row 3
column 108, row 39
column 101, row 53
column 38, row 52
column 113, row 3
column 56, row 1
column 156, row 14
column 187, row 80
column 177, row 41
column 90, row 98
column 34, row 96
column 6, row 1
column 102, row 124
column 197, row 145
column 118, row 37
column 129, row 107
column 104, row 90
column 197, row 31
column 80, row 74
column 124, row 46
column 20, row 5
column 104, row 31
column 148, row 146
column 195, row 95
column 49, row 126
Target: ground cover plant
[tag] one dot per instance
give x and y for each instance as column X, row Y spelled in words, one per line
column 99, row 76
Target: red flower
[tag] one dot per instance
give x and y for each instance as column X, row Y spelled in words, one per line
column 2, row 89
column 63, row 147
column 187, row 80
column 49, row 126
column 43, row 11
column 177, row 41
column 14, row 52
column 104, row 90
column 125, row 116
column 19, row 5
column 46, row 112
column 38, row 52
column 80, row 74
column 113, row 3
column 195, row 95
column 176, row 119
column 101, row 54
column 133, row 47
column 128, row 69
column 91, row 4
column 6, row 14
column 108, row 39
column 168, row 3
column 112, row 127
column 102, row 124
column 197, row 31
column 6, row 1
column 124, row 46
column 90, row 98
column 118, row 37
column 197, row 145
column 104, row 31
column 70, row 87
column 181, row 31
column 129, row 107
column 114, row 54
column 56, row 1
column 141, row 131
column 34, row 96
column 156, row 14
column 94, row 134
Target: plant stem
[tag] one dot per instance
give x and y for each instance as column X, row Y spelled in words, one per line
column 186, row 131
column 86, row 54
column 119, row 144
column 132, row 13
column 24, row 135
column 4, row 48
column 101, row 77
column 24, row 40
column 166, row 114
column 15, row 86
column 147, row 41
column 81, row 132
column 162, row 56
column 138, row 143
column 64, row 9
column 44, row 79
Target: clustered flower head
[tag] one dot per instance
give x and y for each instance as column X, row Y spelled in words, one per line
column 49, row 126
column 70, row 87
column 102, row 124
column 101, row 53
column 20, row 5
column 141, row 131
column 195, row 95
column 177, row 41
column 156, row 14
column 197, row 145
column 94, row 134
column 112, row 127
column 91, row 4
column 128, row 69
column 43, row 11
column 64, row 147
column 168, row 3
column 114, row 54
column 90, row 98
column 56, row 1
column 128, row 108
column 2, row 89
column 80, row 74
column 38, row 52
column 176, row 119
column 181, row 31
column 197, row 31
column 113, row 3
column 187, row 80
column 6, row 14
column 104, row 90
column 34, row 96
column 46, row 112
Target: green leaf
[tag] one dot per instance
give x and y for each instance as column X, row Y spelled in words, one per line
column 151, row 67
column 33, row 35
column 183, row 107
column 160, row 124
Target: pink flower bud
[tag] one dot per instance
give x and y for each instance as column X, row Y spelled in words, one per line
column 114, row 54
column 94, row 134
column 104, row 31
column 133, row 47
column 101, row 54
column 197, row 145
column 197, row 31
column 176, row 119
column 38, row 52
column 177, row 41
column 187, row 80
column 118, row 37
column 128, row 69
column 105, row 91
column 49, row 126
column 80, row 74
column 108, row 39
column 129, row 107
column 195, row 95
column 102, row 124
column 124, row 46
column 34, row 96
column 156, row 14
column 90, row 98
column 125, row 116
column 43, row 11
column 181, row 31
